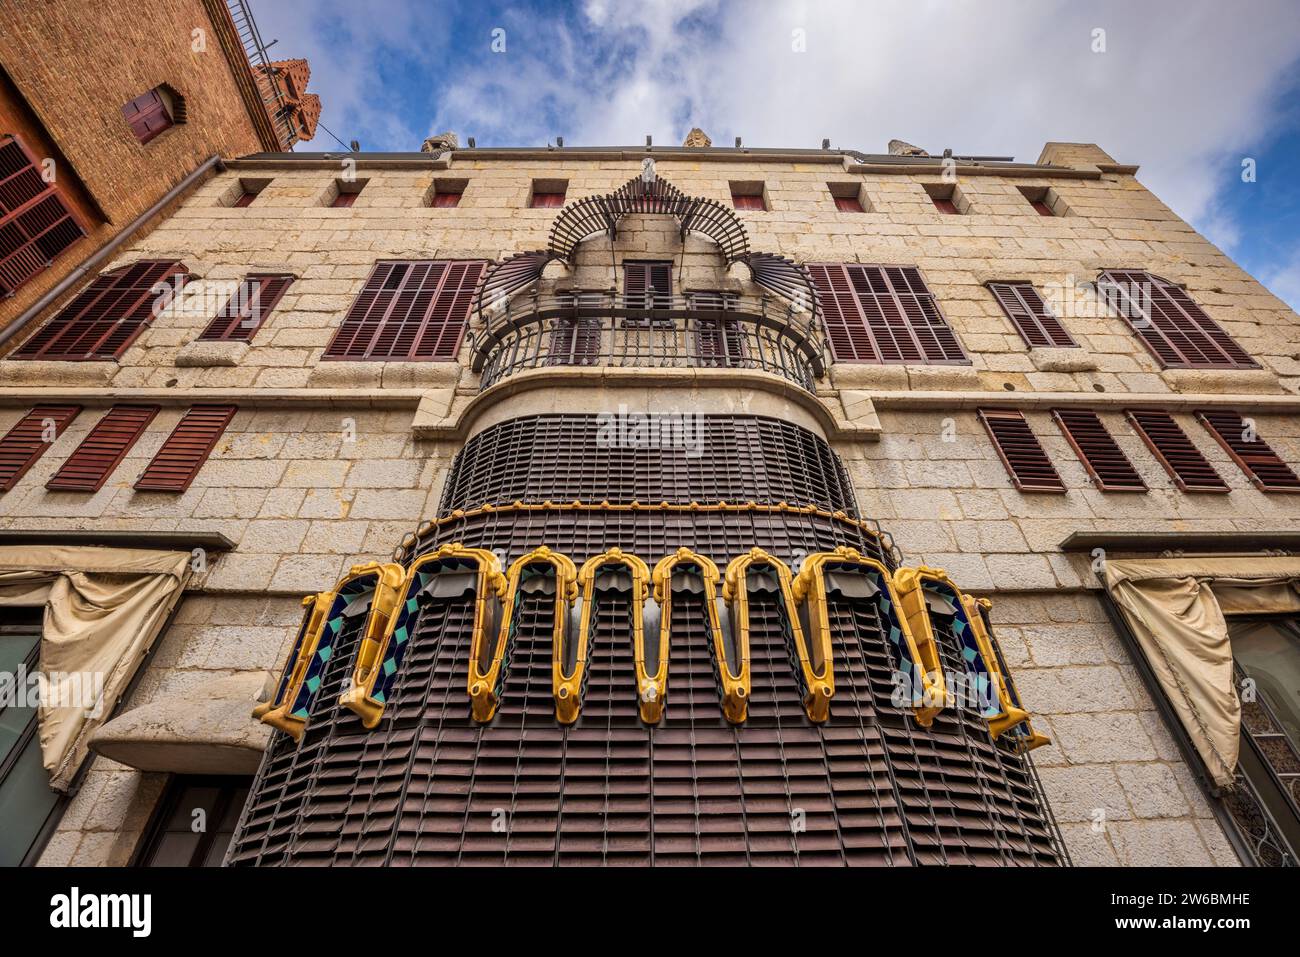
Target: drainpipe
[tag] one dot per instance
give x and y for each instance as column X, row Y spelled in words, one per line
column 107, row 250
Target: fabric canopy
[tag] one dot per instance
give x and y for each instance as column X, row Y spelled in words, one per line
column 103, row 609
column 1176, row 609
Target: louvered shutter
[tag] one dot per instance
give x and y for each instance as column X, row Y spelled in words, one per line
column 1110, row 469
column 718, row 342
column 883, row 314
column 147, row 115
column 648, row 285
column 36, row 224
column 186, row 449
column 25, row 442
column 1027, row 464
column 1031, row 315
column 1252, row 454
column 753, row 203
column 105, row 318
column 99, row 453
column 547, row 200
column 1173, row 327
column 409, row 310
column 245, row 311
column 1172, row 448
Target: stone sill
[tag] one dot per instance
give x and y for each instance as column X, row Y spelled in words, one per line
column 1062, row 360
column 39, row 372
column 199, row 354
column 870, row 376
column 387, row 375
column 1221, row 381
column 1172, row 401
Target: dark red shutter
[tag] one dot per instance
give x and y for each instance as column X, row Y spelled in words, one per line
column 754, row 203
column 848, row 204
column 245, row 199
column 446, row 200
column 883, row 314
column 574, row 342
column 25, row 442
column 718, row 342
column 1251, row 453
column 186, row 449
column 147, row 115
column 344, row 200
column 409, row 310
column 946, row 206
column 1041, row 207
column 1031, row 316
column 647, row 285
column 1172, row 448
column 245, row 311
column 103, row 321
column 547, row 200
column 1174, row 328
column 35, row 222
column 1027, row 464
column 1110, row 469
column 99, row 453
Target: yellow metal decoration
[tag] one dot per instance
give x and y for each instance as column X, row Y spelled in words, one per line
column 485, row 665
column 652, row 689
column 817, row 673
column 567, row 688
column 304, row 646
column 1013, row 716
column 915, row 618
column 385, row 614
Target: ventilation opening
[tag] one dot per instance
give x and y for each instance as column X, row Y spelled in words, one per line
column 750, row 195
column 850, row 197
column 947, row 198
column 548, row 193
column 243, row 191
column 343, row 193
column 446, row 193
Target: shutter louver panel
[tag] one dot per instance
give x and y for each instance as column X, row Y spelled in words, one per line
column 147, row 115
column 25, row 443
column 1170, row 324
column 247, row 309
column 1170, row 445
column 186, row 449
column 91, row 463
column 1109, row 467
column 1027, row 464
column 36, row 224
column 105, row 318
column 1031, row 316
column 647, row 285
column 409, row 311
column 883, row 314
column 1252, row 454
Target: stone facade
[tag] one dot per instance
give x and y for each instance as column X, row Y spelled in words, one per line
column 328, row 464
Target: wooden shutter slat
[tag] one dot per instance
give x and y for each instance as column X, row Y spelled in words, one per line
column 883, row 314
column 1028, row 465
column 1254, row 456
column 25, row 443
column 247, row 309
column 1107, row 465
column 186, row 449
column 100, row 452
column 36, row 223
column 411, row 310
column 1031, row 315
column 1177, row 331
column 1189, row 469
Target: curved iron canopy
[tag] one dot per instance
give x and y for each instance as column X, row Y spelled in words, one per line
column 596, row 215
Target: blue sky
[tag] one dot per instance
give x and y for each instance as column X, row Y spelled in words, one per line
column 1185, row 89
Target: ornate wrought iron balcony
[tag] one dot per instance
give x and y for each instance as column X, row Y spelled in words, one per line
column 650, row 331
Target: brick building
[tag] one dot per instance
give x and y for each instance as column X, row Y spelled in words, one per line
column 106, row 107
column 620, row 481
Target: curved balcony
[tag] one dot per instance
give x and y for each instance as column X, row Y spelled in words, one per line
column 650, row 331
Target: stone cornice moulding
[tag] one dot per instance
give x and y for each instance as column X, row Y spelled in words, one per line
column 1176, row 401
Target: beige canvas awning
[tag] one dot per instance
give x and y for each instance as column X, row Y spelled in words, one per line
column 1176, row 609
column 104, row 608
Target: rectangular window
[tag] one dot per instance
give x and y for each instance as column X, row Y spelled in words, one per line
column 148, row 115
column 186, row 449
column 36, row 224
column 1107, row 465
column 26, row 799
column 344, row 200
column 444, row 193
column 718, row 342
column 1031, row 315
column 445, row 200
column 1039, row 198
column 548, row 193
column 848, row 197
column 647, row 284
column 946, row 198
column 245, row 199
column 105, row 318
column 29, row 438
column 172, row 840
column 100, row 452
column 409, row 310
column 1026, row 462
column 1172, row 448
column 883, row 314
column 245, row 311
column 1175, row 329
column 748, row 196
column 848, row 204
column 1252, row 454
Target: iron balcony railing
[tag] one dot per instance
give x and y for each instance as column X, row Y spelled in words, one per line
column 650, row 331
